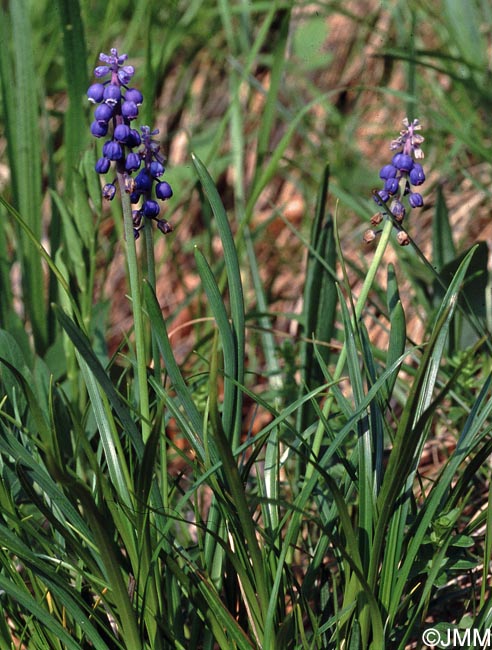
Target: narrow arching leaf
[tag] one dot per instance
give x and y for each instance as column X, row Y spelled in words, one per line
column 443, row 249
column 172, row 368
column 227, row 339
column 413, row 422
column 82, row 344
column 234, row 283
column 397, row 334
column 20, row 92
column 76, row 76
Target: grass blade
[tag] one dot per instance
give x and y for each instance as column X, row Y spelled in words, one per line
column 74, row 49
column 31, row 605
column 443, row 249
column 397, row 335
column 415, row 416
column 24, row 152
column 117, row 467
column 227, row 339
column 478, row 417
column 82, row 344
column 182, row 391
column 320, row 299
column 235, row 288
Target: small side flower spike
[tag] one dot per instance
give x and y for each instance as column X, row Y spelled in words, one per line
column 144, row 181
column 401, row 175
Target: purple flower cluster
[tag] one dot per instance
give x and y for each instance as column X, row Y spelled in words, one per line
column 117, row 105
column 403, row 173
column 141, row 188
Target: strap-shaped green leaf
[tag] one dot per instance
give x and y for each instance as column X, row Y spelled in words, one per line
column 83, row 346
column 235, row 289
column 415, row 416
column 184, row 394
column 20, row 88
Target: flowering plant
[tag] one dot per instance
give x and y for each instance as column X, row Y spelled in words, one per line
column 247, row 465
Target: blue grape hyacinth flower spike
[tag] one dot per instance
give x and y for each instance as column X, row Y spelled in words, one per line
column 401, row 176
column 128, row 148
column 116, row 107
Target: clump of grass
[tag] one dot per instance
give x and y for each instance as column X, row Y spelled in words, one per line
column 138, row 507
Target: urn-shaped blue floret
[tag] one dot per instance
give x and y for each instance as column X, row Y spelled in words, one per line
column 102, row 165
column 398, row 210
column 388, row 171
column 403, row 162
column 122, row 133
column 112, row 150
column 156, row 168
column 164, row 226
column 129, row 110
column 132, row 162
column 143, row 181
column 134, row 139
column 137, row 217
column 101, row 70
column 391, row 185
column 103, row 113
column 150, row 208
column 134, row 95
column 380, row 197
column 112, row 94
column 125, row 74
column 163, row 191
column 416, row 175
column 415, row 199
column 99, row 129
column 95, row 93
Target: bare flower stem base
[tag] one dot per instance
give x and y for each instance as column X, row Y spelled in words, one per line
column 135, row 292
